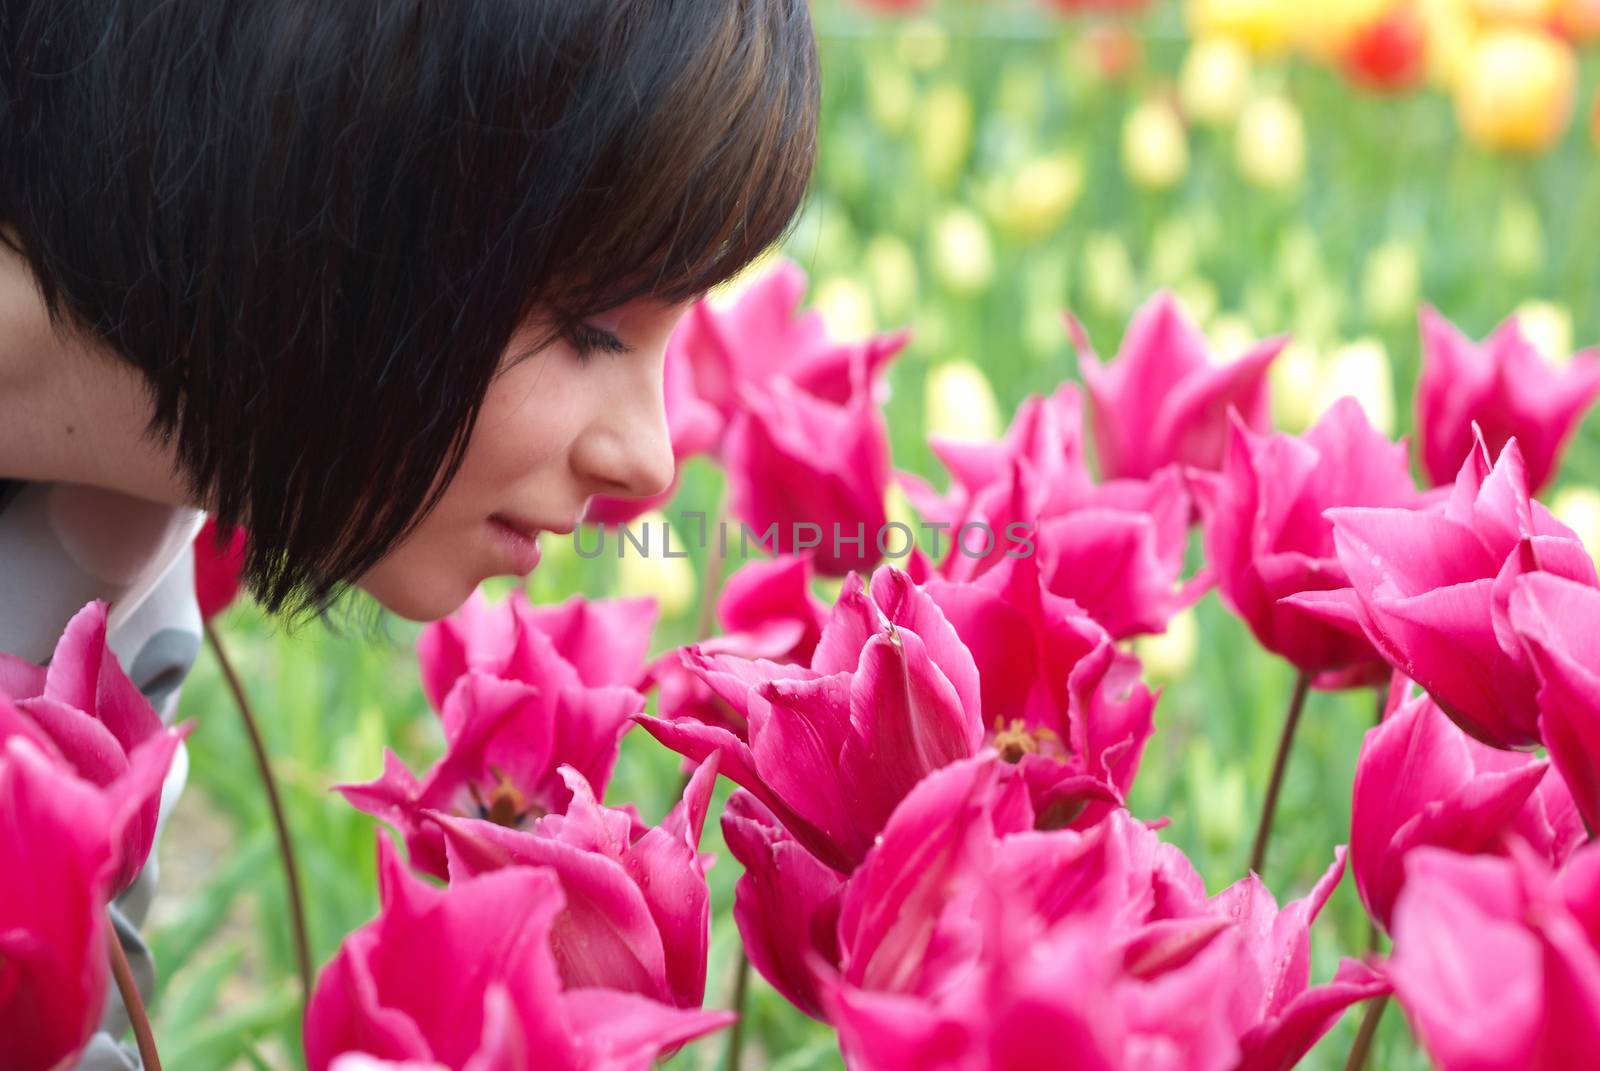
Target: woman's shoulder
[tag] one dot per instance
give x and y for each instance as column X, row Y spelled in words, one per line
column 65, row 545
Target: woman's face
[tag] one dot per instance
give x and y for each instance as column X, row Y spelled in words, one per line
column 557, row 427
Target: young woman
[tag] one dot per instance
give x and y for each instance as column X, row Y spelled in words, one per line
column 387, row 283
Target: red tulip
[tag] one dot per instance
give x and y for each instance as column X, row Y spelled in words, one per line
column 1504, row 387
column 217, row 564
column 1389, row 53
column 1267, row 538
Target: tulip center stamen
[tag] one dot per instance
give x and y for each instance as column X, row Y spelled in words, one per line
column 505, row 804
column 1014, row 739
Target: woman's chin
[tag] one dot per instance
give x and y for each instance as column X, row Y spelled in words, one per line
column 413, row 595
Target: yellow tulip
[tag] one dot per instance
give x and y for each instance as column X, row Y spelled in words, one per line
column 1271, row 143
column 1449, row 28
column 846, row 308
column 923, row 44
column 892, row 272
column 1548, row 326
column 959, row 403
column 1361, row 369
column 1266, row 26
column 1517, row 90
column 1032, row 202
column 1169, row 656
column 1579, row 509
column 963, row 253
column 891, row 96
column 944, row 134
column 1155, row 146
column 1215, row 80
column 1391, row 282
column 671, row 580
column 1108, row 275
column 1295, row 377
column 1528, row 11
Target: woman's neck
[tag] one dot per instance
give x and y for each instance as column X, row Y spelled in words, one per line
column 70, row 410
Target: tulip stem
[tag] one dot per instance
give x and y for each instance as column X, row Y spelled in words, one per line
column 131, row 1001
column 741, row 987
column 1258, row 854
column 1369, row 1030
column 711, row 582
column 280, row 823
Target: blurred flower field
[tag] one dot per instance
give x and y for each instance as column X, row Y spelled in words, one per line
column 985, row 169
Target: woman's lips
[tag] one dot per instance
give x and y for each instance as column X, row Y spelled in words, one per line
column 520, row 547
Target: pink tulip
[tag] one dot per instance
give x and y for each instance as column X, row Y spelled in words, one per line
column 763, row 336
column 1421, row 781
column 1058, row 696
column 1115, row 549
column 638, row 913
column 766, row 610
column 579, row 644
column 967, row 938
column 1557, row 620
column 217, row 565
column 1496, row 960
column 1163, row 400
column 1431, row 590
column 467, row 977
column 796, row 460
column 84, row 710
column 53, row 923
column 506, row 741
column 1506, row 389
column 891, row 694
column 1267, row 538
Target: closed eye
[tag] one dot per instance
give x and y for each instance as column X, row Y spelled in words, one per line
column 588, row 340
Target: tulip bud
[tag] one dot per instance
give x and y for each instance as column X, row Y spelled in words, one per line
column 1215, row 80
column 1155, row 146
column 963, row 254
column 1265, row 26
column 1579, row 509
column 1361, row 369
column 960, row 403
column 1169, row 656
column 669, row 578
column 1295, row 378
column 1108, row 275
column 1517, row 90
column 1548, row 326
column 846, row 308
column 891, row 96
column 1519, row 237
column 1450, row 29
column 892, row 271
column 1033, row 202
column 1391, row 283
column 923, row 44
column 1271, row 146
column 1532, row 12
column 944, row 136
column 1579, row 19
column 1230, row 336
column 1389, row 54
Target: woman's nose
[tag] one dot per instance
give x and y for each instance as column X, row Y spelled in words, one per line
column 627, row 451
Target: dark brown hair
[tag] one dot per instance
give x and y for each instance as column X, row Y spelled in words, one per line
column 316, row 227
